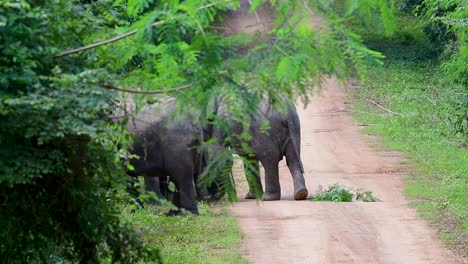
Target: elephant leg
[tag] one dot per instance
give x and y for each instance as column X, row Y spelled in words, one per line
column 272, row 184
column 164, row 187
column 176, row 202
column 294, row 165
column 252, row 173
column 152, row 185
column 186, row 196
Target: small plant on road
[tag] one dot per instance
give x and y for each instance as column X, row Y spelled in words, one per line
column 334, row 193
column 365, row 195
column 341, row 193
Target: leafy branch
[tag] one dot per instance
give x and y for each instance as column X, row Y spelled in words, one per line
column 120, row 89
column 128, row 34
column 101, row 43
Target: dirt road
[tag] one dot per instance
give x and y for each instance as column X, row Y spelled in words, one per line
column 334, row 150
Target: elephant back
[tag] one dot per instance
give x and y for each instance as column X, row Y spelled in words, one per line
column 162, row 114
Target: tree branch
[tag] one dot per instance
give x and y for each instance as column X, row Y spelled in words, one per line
column 120, row 89
column 281, row 50
column 128, row 34
column 213, row 4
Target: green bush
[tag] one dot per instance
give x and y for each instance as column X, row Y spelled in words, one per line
column 408, row 6
column 60, row 173
column 445, row 25
column 209, row 238
column 341, row 193
column 334, row 193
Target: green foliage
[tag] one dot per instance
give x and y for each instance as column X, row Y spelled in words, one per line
column 429, row 135
column 212, row 237
column 135, row 7
column 59, row 154
column 445, row 23
column 341, row 193
column 185, row 47
column 365, row 195
column 454, row 18
column 366, row 8
column 334, row 193
column 409, row 47
column 408, row 6
column 217, row 174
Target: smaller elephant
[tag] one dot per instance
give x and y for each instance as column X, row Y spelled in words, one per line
column 283, row 138
column 166, row 147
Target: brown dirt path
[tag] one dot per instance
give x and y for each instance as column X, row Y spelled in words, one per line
column 334, row 150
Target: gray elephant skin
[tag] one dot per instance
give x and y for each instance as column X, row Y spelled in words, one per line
column 282, row 139
column 166, row 147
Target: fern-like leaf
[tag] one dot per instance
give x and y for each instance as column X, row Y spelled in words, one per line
column 135, row 7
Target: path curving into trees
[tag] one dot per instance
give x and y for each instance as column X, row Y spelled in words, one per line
column 335, row 150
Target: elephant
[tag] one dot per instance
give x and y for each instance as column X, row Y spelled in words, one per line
column 283, row 138
column 166, row 147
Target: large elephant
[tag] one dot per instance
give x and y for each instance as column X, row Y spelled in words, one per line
column 166, row 147
column 282, row 139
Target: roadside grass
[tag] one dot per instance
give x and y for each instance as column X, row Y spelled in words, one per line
column 212, row 237
column 429, row 124
column 429, row 136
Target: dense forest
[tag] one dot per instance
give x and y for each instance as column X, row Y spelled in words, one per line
column 65, row 66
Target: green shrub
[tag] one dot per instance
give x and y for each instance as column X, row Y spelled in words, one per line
column 341, row 193
column 334, row 193
column 60, row 171
column 209, row 238
column 365, row 195
column 445, row 25
column 408, row 6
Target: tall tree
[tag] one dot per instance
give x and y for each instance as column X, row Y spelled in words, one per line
column 60, row 173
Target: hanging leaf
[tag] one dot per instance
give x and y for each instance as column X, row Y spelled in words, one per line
column 255, row 4
column 135, row 7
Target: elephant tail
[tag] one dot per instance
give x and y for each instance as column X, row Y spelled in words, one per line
column 294, row 125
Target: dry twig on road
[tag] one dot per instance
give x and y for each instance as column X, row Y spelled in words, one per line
column 380, row 106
